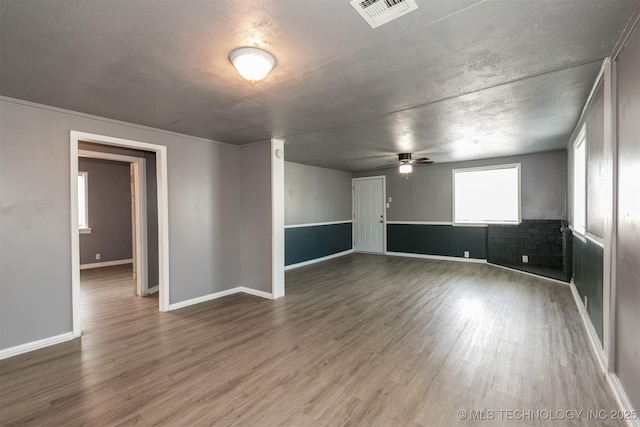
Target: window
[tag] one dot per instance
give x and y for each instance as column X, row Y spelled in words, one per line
column 580, row 181
column 83, row 203
column 487, row 195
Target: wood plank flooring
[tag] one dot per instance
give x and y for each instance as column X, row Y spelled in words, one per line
column 361, row 340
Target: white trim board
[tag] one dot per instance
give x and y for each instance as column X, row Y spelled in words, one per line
column 106, row 264
column 594, row 341
column 316, row 224
column 277, row 218
column 163, row 215
column 622, row 398
column 438, row 257
column 526, row 273
column 35, row 345
column 317, row 260
column 421, row 222
column 220, row 294
column 601, row 358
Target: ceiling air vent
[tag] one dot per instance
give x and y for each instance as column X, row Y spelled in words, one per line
column 378, row 12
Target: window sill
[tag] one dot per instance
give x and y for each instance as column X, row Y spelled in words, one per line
column 84, row 230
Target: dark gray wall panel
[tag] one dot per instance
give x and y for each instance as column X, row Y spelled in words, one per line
column 588, row 264
column 308, row 243
column 427, row 194
column 627, row 302
column 442, row 240
column 314, row 194
column 109, row 211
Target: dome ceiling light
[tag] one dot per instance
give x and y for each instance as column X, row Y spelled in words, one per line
column 252, row 63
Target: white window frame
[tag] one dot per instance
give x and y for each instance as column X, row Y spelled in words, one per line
column 486, row 168
column 84, row 229
column 580, row 197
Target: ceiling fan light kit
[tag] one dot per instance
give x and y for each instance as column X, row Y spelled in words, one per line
column 407, row 168
column 252, row 63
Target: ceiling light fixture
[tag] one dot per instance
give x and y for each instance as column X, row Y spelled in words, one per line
column 406, row 168
column 252, row 63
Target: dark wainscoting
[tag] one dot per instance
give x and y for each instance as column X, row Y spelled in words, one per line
column 547, row 243
column 588, row 264
column 308, row 243
column 442, row 240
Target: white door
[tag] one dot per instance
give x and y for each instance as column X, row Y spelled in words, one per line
column 368, row 214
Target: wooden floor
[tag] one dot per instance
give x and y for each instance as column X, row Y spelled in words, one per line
column 360, row 340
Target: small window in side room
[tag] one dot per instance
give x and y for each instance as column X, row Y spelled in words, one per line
column 487, row 195
column 580, row 182
column 83, row 203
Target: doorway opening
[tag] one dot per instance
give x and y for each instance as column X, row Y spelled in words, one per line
column 86, row 145
column 113, row 214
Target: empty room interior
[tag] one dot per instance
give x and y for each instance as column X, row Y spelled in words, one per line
column 320, row 213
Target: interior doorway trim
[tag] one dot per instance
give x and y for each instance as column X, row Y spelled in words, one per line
column 139, row 226
column 384, row 211
column 163, row 216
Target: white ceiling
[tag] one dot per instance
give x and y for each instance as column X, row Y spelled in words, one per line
column 454, row 80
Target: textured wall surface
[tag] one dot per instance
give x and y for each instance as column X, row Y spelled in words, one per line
column 627, row 302
column 36, row 217
column 427, row 194
column 315, row 194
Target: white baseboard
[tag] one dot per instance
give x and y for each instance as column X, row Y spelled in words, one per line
column 515, row 270
column 203, row 298
column 35, row 345
column 612, row 379
column 255, row 292
column 106, row 264
column 152, row 290
column 216, row 295
column 438, row 257
column 313, row 261
column 623, row 400
column 596, row 347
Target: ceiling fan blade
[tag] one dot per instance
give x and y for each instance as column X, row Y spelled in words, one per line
column 387, row 166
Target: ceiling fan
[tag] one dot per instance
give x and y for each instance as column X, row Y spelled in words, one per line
column 406, row 163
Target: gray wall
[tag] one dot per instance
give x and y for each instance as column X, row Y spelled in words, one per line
column 255, row 214
column 109, row 195
column 314, row 194
column 153, row 273
column 427, row 194
column 627, row 295
column 204, row 207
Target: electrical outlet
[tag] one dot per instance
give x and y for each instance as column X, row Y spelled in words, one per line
column 97, row 256
column 466, row 254
column 390, row 200
column 525, row 259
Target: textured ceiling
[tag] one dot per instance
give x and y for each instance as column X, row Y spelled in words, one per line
column 454, row 80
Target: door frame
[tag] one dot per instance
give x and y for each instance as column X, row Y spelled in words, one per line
column 384, row 211
column 139, row 234
column 163, row 216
